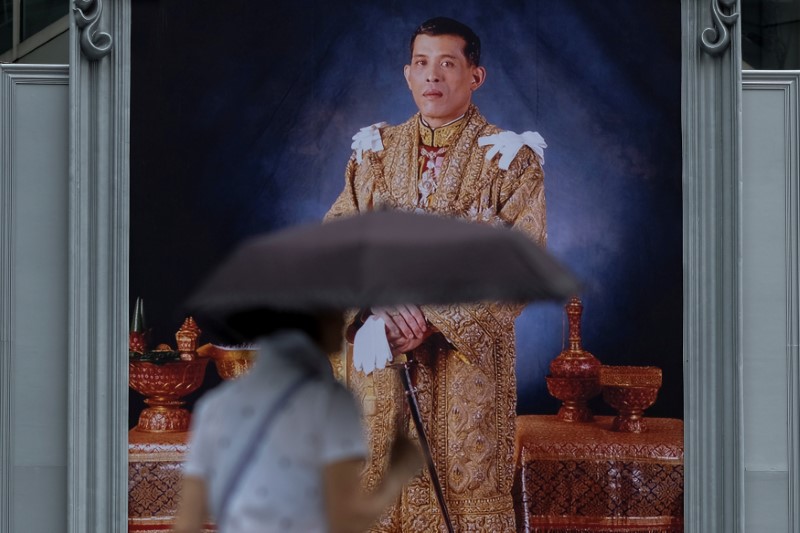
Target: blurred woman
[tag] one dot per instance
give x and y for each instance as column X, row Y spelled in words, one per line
column 282, row 448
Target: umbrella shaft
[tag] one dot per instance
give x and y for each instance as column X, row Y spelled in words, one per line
column 411, row 396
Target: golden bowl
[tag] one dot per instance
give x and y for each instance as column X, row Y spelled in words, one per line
column 630, row 376
column 163, row 386
column 574, row 394
column 231, row 362
column 174, row 379
column 630, row 390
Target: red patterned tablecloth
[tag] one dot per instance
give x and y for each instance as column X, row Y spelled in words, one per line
column 154, row 480
column 575, row 478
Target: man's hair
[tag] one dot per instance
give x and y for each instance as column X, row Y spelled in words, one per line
column 447, row 26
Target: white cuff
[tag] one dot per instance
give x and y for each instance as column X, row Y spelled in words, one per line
column 371, row 347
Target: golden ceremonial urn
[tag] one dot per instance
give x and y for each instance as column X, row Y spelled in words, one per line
column 575, row 374
column 163, row 385
column 164, row 376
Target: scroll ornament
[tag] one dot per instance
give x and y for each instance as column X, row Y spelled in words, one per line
column 717, row 39
column 95, row 45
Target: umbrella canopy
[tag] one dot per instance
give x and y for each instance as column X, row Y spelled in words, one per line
column 382, row 258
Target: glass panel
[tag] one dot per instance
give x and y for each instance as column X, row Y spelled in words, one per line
column 771, row 34
column 6, row 25
column 35, row 15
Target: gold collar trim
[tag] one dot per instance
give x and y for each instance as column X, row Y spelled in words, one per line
column 443, row 135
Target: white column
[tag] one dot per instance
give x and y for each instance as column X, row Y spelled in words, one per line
column 711, row 169
column 98, row 266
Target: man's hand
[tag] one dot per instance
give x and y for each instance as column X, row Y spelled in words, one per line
column 406, row 326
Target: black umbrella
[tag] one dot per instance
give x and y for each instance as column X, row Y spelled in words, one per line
column 382, row 258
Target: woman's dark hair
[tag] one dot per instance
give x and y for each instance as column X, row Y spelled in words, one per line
column 448, row 26
column 251, row 324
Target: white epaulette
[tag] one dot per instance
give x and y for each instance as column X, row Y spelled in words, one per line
column 366, row 139
column 508, row 143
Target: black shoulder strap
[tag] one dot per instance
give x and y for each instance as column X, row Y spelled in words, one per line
column 252, row 446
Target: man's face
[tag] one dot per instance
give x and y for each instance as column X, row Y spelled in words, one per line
column 441, row 79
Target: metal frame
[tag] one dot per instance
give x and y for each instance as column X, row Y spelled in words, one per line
column 99, row 274
column 21, row 48
column 11, row 78
column 788, row 82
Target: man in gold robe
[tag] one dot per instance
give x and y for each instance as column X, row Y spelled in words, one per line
column 447, row 160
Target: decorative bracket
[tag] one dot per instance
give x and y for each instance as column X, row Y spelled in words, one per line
column 95, row 45
column 714, row 41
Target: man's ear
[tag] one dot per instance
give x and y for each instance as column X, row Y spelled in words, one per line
column 478, row 77
column 406, row 73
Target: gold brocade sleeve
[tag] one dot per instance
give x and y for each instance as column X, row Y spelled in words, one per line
column 520, row 198
column 347, row 202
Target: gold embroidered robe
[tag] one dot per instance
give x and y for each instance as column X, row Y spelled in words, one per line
column 467, row 399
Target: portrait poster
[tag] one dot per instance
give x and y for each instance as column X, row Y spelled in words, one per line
column 242, row 116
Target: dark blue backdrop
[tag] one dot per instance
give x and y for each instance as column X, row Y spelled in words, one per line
column 242, row 115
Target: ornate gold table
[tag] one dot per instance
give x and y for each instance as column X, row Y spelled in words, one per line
column 583, row 477
column 154, row 480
